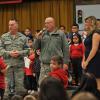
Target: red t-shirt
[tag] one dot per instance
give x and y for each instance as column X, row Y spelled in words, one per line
column 61, row 75
column 76, row 51
column 2, row 75
column 29, row 71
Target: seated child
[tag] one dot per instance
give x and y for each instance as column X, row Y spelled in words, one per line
column 56, row 65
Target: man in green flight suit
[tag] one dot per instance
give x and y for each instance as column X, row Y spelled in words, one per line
column 12, row 49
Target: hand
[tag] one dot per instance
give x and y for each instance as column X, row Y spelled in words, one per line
column 65, row 66
column 38, row 35
column 14, row 53
column 84, row 64
column 34, row 74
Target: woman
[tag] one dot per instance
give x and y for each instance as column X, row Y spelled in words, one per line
column 91, row 61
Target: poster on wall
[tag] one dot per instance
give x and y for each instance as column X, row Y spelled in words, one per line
column 79, row 16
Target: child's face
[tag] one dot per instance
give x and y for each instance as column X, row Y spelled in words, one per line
column 27, row 32
column 38, row 52
column 75, row 39
column 74, row 29
column 54, row 65
column 30, row 43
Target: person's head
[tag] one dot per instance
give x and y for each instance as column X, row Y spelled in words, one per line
column 29, row 97
column 56, row 62
column 52, row 89
column 90, row 24
column 30, row 43
column 84, row 96
column 98, row 23
column 75, row 28
column 27, row 31
column 88, row 82
column 35, row 94
column 76, row 39
column 62, row 28
column 50, row 24
column 13, row 26
column 17, row 97
column 37, row 31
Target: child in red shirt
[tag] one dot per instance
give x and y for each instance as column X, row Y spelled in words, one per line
column 76, row 56
column 2, row 77
column 56, row 65
column 30, row 79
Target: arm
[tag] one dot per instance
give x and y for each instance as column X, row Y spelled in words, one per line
column 3, row 66
column 3, row 52
column 65, row 49
column 37, row 44
column 95, row 46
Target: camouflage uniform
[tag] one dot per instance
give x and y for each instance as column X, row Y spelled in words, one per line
column 7, row 44
column 51, row 44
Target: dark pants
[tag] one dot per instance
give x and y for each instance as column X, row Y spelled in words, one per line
column 30, row 82
column 2, row 93
column 77, row 69
column 37, row 78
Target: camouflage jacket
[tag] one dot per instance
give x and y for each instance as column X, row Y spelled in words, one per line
column 51, row 44
column 9, row 43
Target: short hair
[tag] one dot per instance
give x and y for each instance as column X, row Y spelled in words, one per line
column 37, row 31
column 98, row 19
column 14, row 19
column 28, row 28
column 30, row 39
column 58, row 59
column 62, row 26
column 75, row 24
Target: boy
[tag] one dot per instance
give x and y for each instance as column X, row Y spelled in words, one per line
column 56, row 66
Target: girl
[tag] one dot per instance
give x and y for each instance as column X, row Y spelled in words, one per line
column 30, row 79
column 76, row 55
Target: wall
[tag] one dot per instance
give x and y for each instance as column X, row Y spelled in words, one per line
column 88, row 10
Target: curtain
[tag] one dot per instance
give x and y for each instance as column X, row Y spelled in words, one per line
column 33, row 13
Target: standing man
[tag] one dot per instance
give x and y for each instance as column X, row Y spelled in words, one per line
column 12, row 49
column 51, row 42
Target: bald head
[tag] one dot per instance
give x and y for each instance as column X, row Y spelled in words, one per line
column 50, row 24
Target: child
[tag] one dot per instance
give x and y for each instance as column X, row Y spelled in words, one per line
column 37, row 65
column 30, row 79
column 2, row 77
column 56, row 65
column 76, row 55
column 74, row 30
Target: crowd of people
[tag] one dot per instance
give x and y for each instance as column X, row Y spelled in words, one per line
column 37, row 67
